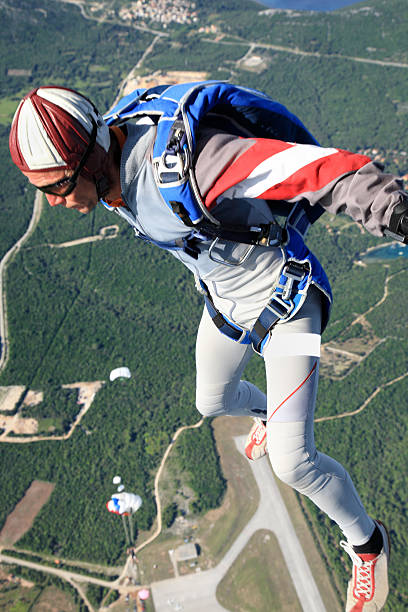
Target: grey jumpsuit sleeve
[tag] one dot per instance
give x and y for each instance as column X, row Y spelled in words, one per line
column 368, row 195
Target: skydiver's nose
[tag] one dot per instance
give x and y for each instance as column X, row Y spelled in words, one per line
column 54, row 200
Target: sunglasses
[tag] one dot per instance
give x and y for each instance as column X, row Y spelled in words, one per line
column 66, row 185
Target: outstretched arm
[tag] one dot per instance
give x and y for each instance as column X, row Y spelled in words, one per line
column 232, row 167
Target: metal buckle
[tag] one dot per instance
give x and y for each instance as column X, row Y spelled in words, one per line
column 172, row 168
column 274, row 237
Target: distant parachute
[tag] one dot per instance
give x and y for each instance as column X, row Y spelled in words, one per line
column 124, row 503
column 120, row 488
column 117, row 480
column 143, row 594
column 122, row 372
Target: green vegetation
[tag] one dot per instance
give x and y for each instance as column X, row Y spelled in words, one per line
column 45, row 581
column 68, row 58
column 60, row 406
column 48, row 562
column 17, row 599
column 169, row 514
column 75, row 313
column 189, row 56
column 198, row 455
column 96, row 594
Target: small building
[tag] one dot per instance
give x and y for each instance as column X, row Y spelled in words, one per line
column 19, row 72
column 186, row 552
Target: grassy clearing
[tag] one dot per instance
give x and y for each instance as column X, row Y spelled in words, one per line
column 154, row 560
column 16, row 598
column 54, row 599
column 259, row 579
column 49, row 425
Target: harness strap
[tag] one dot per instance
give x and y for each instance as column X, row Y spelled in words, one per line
column 279, row 307
column 236, row 333
column 264, row 234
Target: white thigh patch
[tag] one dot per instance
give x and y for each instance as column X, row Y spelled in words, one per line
column 286, row 345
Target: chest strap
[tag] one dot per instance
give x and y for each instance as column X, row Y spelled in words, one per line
column 282, row 303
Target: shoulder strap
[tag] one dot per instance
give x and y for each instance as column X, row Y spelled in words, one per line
column 177, row 110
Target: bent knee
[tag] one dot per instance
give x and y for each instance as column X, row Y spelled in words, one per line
column 294, row 469
column 216, row 400
column 209, row 410
column 210, row 406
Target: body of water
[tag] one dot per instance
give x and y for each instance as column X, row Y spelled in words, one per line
column 390, row 251
column 308, row 5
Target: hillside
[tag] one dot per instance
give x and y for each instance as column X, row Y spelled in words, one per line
column 76, row 312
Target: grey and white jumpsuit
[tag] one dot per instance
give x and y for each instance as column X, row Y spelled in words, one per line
column 292, row 353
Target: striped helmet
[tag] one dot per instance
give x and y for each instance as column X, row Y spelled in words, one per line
column 51, row 130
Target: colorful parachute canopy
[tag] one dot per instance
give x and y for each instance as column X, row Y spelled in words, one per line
column 143, row 594
column 124, row 503
column 119, row 373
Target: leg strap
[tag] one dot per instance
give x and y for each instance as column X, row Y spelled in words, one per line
column 280, row 306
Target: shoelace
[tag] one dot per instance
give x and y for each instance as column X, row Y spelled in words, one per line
column 259, row 433
column 363, row 587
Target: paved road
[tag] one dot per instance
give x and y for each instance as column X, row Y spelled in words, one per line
column 196, row 592
column 3, row 264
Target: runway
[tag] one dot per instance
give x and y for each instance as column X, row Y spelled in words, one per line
column 196, row 592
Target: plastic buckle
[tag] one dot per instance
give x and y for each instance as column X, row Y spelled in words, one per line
column 293, row 272
column 280, row 308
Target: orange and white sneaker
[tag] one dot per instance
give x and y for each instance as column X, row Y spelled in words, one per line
column 255, row 445
column 368, row 588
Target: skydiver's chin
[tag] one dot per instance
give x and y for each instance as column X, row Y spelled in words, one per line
column 85, row 209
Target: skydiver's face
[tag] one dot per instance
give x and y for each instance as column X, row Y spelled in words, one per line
column 83, row 198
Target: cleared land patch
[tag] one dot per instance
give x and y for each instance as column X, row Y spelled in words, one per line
column 18, row 425
column 22, row 517
column 159, row 77
column 217, row 529
column 14, row 594
column 9, row 396
column 33, row 398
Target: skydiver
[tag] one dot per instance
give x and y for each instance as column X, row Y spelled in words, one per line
column 63, row 146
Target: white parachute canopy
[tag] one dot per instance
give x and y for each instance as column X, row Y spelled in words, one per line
column 124, row 503
column 117, row 480
column 122, row 372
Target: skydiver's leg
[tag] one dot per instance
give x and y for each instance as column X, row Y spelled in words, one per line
column 220, row 363
column 292, row 364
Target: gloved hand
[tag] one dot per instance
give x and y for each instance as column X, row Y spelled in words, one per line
column 398, row 229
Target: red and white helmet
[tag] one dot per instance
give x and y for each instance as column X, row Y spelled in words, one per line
column 51, row 129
